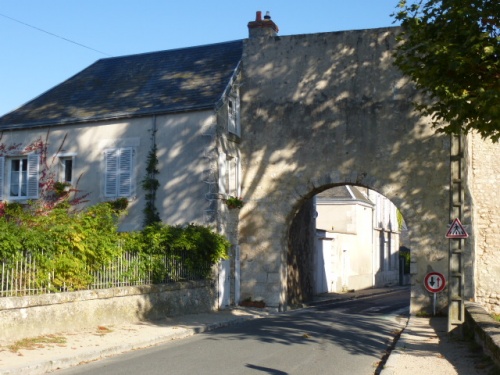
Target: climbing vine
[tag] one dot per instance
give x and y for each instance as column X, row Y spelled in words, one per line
column 150, row 184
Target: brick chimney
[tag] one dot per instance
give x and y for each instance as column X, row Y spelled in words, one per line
column 262, row 27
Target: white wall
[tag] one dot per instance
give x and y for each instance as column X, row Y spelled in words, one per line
column 182, row 141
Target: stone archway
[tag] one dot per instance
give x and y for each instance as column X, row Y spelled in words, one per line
column 327, row 109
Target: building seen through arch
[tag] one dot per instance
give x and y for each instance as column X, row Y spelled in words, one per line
column 358, row 240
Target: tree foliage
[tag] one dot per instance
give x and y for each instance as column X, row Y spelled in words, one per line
column 451, row 50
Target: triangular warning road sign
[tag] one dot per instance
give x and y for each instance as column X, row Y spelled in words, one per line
column 456, row 230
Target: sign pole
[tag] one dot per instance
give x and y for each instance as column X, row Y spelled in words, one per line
column 434, row 305
column 434, row 282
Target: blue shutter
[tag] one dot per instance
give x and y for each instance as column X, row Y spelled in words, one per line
column 111, row 172
column 33, row 168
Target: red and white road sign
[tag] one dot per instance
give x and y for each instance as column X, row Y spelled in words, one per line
column 457, row 230
column 434, row 282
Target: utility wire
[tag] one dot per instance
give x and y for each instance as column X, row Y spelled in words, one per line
column 57, row 36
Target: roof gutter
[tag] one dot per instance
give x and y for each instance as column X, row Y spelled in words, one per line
column 228, row 88
column 117, row 116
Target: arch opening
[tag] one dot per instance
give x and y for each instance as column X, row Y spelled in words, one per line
column 346, row 238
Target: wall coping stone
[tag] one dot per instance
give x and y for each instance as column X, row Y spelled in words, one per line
column 485, row 329
column 11, row 303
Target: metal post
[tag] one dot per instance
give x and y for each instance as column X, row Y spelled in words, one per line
column 456, row 245
column 434, row 305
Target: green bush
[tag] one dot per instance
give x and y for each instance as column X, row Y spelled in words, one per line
column 195, row 246
column 72, row 245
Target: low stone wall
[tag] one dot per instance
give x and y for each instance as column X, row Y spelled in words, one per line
column 31, row 316
column 485, row 329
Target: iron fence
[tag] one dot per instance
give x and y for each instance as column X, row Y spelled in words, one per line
column 23, row 277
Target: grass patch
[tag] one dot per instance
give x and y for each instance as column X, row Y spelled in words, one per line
column 423, row 314
column 496, row 317
column 32, row 343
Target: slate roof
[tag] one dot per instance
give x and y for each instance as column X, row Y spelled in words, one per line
column 169, row 81
column 343, row 193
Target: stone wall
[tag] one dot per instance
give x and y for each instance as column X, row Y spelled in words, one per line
column 484, row 184
column 31, row 316
column 322, row 110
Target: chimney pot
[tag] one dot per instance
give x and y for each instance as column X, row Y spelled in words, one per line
column 262, row 27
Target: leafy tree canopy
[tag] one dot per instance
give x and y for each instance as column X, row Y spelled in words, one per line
column 451, row 51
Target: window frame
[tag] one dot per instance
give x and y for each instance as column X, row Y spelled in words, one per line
column 32, row 176
column 62, row 159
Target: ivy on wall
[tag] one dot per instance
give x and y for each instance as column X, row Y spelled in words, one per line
column 150, row 184
column 51, row 192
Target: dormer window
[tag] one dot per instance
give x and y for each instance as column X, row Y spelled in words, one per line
column 233, row 110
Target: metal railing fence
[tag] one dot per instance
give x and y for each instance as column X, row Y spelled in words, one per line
column 23, row 277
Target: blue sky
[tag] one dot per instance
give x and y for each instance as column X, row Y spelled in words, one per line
column 43, row 43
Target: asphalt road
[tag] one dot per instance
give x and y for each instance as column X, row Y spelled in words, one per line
column 340, row 338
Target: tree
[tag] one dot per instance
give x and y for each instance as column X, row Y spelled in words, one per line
column 451, row 51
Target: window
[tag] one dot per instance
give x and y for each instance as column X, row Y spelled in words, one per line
column 22, row 176
column 233, row 186
column 229, row 175
column 66, row 169
column 233, row 109
column 19, row 177
column 118, row 172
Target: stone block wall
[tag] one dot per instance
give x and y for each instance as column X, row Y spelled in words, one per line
column 31, row 316
column 484, row 185
column 324, row 110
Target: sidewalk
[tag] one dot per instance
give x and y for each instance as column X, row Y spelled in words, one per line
column 101, row 342
column 424, row 344
column 425, row 347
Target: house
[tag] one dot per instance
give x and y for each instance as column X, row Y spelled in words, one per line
column 95, row 133
column 357, row 241
column 96, row 129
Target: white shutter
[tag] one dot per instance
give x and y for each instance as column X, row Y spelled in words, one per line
column 232, row 177
column 118, row 173
column 238, row 176
column 111, row 172
column 237, row 122
column 125, row 173
column 231, row 115
column 233, row 110
column 2, row 162
column 33, row 168
column 222, row 174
